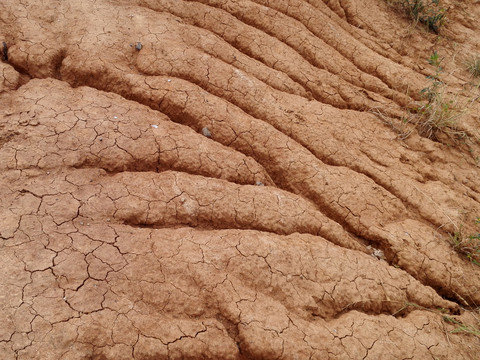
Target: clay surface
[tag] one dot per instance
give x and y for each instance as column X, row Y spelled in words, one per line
column 211, row 179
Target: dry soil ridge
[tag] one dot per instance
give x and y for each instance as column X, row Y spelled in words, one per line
column 221, row 192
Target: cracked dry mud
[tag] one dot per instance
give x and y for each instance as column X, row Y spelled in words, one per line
column 223, row 191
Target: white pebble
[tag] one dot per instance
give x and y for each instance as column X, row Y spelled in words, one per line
column 155, row 126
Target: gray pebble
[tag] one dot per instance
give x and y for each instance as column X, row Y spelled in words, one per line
column 259, row 183
column 206, row 132
column 138, row 46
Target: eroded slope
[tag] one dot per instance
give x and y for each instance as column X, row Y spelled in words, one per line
column 222, row 190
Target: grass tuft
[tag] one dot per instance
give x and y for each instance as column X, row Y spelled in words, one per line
column 461, row 327
column 473, row 66
column 468, row 246
column 427, row 12
column 439, row 116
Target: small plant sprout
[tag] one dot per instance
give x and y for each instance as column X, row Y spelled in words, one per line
column 435, row 60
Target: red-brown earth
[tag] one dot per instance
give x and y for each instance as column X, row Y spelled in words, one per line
column 224, row 179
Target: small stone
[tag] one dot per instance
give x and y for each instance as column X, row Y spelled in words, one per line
column 101, row 139
column 81, row 222
column 138, row 46
column 206, row 132
column 155, row 126
column 108, row 220
column 169, row 80
column 377, row 253
column 259, row 183
column 115, row 117
column 48, row 172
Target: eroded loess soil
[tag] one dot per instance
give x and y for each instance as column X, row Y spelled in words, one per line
column 211, row 179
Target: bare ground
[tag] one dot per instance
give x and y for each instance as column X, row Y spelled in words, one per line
column 225, row 180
